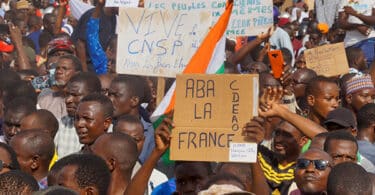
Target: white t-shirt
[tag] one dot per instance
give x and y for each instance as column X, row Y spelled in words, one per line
column 364, row 7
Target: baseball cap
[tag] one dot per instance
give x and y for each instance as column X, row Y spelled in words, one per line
column 342, row 117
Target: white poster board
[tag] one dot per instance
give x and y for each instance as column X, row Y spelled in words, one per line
column 158, row 42
column 250, row 17
column 121, row 3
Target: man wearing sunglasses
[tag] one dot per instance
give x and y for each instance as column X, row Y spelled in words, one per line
column 312, row 170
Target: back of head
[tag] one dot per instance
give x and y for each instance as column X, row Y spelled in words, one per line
column 306, row 74
column 17, row 89
column 21, row 104
column 287, row 56
column 14, row 165
column 224, row 178
column 90, row 80
column 339, row 135
column 120, row 146
column 312, row 87
column 352, row 54
column 38, row 142
column 17, row 182
column 366, row 116
column 104, row 101
column 7, row 75
column 45, row 120
column 91, row 171
column 348, row 179
column 56, row 190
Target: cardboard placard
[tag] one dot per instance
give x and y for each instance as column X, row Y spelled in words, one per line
column 248, row 18
column 121, row 3
column 209, row 114
column 328, row 60
column 158, row 42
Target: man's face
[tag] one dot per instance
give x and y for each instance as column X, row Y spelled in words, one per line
column 342, row 151
column 326, row 99
column 64, row 71
column 286, row 140
column 361, row 98
column 134, row 130
column 310, row 179
column 5, row 157
column 121, row 99
column 12, row 123
column 190, row 177
column 74, row 92
column 24, row 156
column 90, row 122
column 49, row 24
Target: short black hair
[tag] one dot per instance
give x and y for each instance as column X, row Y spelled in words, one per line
column 17, row 182
column 134, row 84
column 56, row 190
column 76, row 62
column 349, row 178
column 366, row 116
column 312, row 87
column 47, row 121
column 15, row 89
column 14, row 165
column 90, row 80
column 7, row 75
column 206, row 165
column 352, row 54
column 339, row 135
column 91, row 171
column 223, row 177
column 104, row 101
column 127, row 118
column 287, row 56
column 124, row 149
column 20, row 104
column 40, row 143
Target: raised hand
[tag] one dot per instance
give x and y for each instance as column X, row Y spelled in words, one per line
column 163, row 135
column 254, row 131
column 269, row 104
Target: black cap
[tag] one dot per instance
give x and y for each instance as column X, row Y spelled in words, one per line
column 341, row 116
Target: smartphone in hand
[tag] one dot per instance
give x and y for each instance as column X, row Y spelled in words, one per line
column 277, row 62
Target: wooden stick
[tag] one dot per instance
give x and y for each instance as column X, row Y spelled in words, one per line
column 160, row 90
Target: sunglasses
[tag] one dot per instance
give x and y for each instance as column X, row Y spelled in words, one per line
column 318, row 164
column 4, row 165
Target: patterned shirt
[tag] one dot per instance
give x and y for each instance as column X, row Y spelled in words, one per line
column 66, row 139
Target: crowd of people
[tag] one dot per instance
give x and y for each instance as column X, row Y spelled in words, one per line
column 70, row 124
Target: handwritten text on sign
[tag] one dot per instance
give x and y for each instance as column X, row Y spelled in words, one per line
column 158, row 42
column 249, row 17
column 328, row 60
column 210, row 112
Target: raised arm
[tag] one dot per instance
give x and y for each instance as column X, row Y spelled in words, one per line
column 60, row 16
column 271, row 106
column 23, row 62
column 138, row 185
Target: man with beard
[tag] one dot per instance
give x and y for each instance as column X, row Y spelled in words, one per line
column 67, row 66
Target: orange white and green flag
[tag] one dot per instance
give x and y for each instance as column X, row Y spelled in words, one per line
column 208, row 59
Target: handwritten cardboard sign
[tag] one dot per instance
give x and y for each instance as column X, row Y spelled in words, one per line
column 121, row 3
column 248, row 18
column 210, row 112
column 328, row 60
column 158, row 42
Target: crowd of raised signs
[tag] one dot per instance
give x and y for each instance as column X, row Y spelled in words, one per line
column 71, row 125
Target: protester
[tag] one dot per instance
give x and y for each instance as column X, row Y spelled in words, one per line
column 17, row 182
